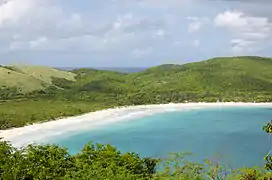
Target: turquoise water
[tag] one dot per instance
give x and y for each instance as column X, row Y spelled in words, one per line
column 231, row 135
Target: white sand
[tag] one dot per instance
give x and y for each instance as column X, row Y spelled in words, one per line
column 41, row 132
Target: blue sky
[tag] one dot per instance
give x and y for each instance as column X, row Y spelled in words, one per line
column 131, row 33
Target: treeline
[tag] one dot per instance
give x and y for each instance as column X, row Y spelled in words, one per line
column 107, row 163
column 18, row 109
column 208, row 81
column 95, row 92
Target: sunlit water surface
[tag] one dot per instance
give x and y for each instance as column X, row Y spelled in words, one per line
column 231, row 135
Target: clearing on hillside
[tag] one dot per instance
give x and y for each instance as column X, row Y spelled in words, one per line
column 30, row 78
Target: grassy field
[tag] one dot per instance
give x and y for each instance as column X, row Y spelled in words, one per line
column 30, row 78
column 24, row 82
column 45, row 73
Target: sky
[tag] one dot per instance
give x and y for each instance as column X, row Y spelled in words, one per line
column 131, row 33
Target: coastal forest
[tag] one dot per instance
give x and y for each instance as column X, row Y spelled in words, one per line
column 31, row 94
column 34, row 94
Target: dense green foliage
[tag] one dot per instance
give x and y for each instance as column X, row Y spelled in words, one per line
column 237, row 79
column 107, row 163
column 53, row 162
column 268, row 157
column 35, row 94
column 18, row 113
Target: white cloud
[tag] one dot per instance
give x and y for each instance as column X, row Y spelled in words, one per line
column 43, row 25
column 194, row 27
column 33, row 13
column 196, row 23
column 13, row 10
column 247, row 30
column 27, row 20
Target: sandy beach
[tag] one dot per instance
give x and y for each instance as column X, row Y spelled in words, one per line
column 37, row 133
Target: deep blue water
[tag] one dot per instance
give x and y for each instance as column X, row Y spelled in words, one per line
column 231, row 135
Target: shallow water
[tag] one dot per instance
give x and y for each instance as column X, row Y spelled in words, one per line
column 231, row 135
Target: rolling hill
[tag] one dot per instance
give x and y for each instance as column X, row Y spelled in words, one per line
column 63, row 93
column 13, row 79
column 235, row 74
column 244, row 78
column 218, row 74
column 30, row 78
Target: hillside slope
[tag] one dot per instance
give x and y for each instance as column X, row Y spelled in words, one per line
column 216, row 75
column 231, row 79
column 45, row 74
column 30, row 78
column 239, row 79
column 25, row 83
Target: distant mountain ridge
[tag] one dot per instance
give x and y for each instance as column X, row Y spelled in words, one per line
column 35, row 94
column 233, row 74
column 117, row 69
column 218, row 74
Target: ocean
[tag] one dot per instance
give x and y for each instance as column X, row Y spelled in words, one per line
column 229, row 135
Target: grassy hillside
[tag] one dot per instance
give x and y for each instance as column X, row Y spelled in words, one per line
column 236, row 74
column 215, row 75
column 45, row 74
column 100, row 81
column 30, row 78
column 25, row 83
column 245, row 79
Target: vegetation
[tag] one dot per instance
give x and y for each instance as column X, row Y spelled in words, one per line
column 268, row 157
column 18, row 113
column 35, row 94
column 30, row 78
column 45, row 74
column 106, row 162
column 22, row 82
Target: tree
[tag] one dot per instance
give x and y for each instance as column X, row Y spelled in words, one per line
column 53, row 162
column 268, row 157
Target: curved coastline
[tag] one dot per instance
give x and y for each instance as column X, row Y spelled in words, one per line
column 39, row 132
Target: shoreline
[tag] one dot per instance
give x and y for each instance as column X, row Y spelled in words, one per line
column 39, row 132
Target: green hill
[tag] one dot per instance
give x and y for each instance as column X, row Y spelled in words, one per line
column 231, row 79
column 10, row 78
column 234, row 75
column 218, row 74
column 30, row 78
column 45, row 74
column 49, row 93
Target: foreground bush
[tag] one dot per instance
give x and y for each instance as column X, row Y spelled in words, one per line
column 53, row 162
column 106, row 162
